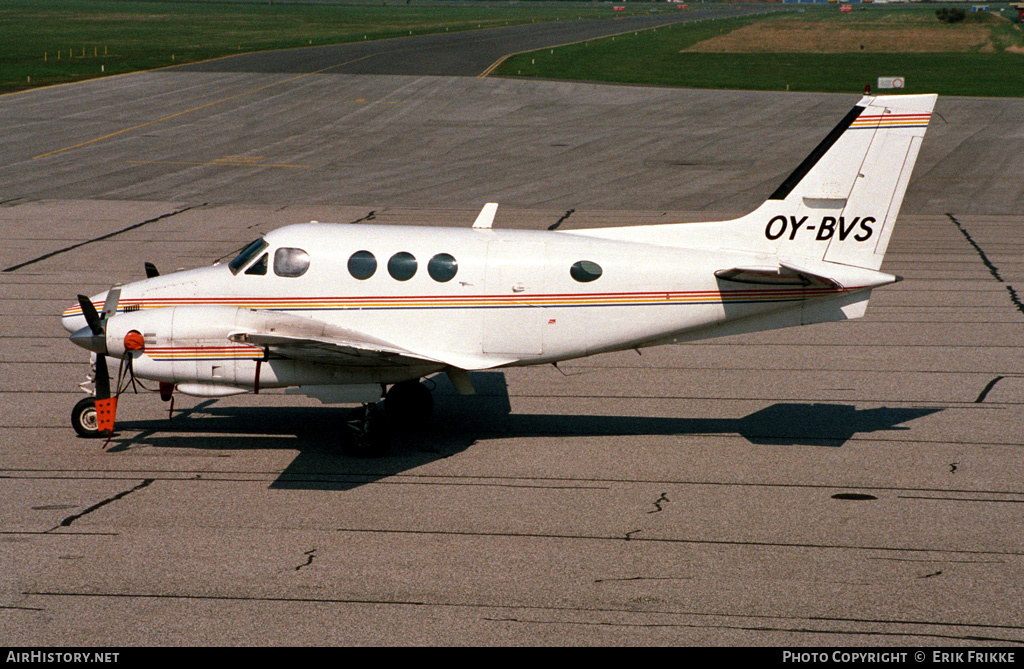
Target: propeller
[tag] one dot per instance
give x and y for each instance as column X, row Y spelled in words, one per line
column 93, row 337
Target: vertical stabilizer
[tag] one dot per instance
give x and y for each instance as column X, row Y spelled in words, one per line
column 840, row 204
column 837, row 207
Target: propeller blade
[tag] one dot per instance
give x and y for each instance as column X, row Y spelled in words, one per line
column 110, row 305
column 151, row 270
column 91, row 317
column 102, row 378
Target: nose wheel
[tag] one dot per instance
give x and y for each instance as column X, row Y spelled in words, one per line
column 85, row 419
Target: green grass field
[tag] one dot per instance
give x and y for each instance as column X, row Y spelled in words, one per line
column 54, row 41
column 658, row 57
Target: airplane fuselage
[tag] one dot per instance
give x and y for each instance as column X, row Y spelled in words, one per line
column 467, row 298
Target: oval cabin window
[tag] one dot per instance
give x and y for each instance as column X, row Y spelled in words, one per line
column 442, row 267
column 362, row 265
column 585, row 271
column 402, row 266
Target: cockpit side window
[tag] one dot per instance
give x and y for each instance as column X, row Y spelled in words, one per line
column 250, row 252
column 290, row 262
column 259, row 267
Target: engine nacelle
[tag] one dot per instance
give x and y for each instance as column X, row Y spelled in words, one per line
column 190, row 345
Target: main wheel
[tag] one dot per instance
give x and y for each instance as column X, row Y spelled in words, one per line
column 85, row 420
column 367, row 435
column 409, row 405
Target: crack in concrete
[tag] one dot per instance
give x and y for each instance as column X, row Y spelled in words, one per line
column 993, row 270
column 657, row 503
column 643, row 578
column 369, row 217
column 987, row 389
column 554, row 226
column 14, row 268
column 970, row 240
column 309, row 559
column 70, row 519
column 1015, row 298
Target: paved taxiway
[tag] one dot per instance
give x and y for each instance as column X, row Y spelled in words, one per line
column 853, row 483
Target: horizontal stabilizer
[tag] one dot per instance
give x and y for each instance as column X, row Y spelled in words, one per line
column 824, row 275
column 782, row 275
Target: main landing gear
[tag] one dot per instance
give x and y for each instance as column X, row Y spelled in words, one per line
column 407, row 408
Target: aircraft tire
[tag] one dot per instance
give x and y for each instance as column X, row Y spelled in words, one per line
column 84, row 420
column 409, row 405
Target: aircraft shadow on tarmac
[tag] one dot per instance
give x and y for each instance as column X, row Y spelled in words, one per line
column 459, row 422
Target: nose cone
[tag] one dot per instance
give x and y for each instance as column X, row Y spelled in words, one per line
column 72, row 319
column 89, row 341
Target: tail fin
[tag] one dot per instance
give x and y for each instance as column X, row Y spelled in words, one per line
column 838, row 206
column 841, row 203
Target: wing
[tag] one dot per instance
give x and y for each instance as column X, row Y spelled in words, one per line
column 345, row 351
column 300, row 338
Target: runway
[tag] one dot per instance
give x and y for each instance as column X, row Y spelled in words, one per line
column 842, row 484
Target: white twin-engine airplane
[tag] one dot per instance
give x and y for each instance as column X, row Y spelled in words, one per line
column 344, row 311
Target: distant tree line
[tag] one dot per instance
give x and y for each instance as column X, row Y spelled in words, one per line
column 950, row 14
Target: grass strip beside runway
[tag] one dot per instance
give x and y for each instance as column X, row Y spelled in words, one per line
column 819, row 49
column 58, row 41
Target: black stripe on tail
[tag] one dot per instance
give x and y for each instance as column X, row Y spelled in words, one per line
column 783, row 191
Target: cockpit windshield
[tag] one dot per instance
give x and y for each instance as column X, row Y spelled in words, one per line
column 250, row 252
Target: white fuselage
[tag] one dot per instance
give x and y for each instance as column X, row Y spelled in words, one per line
column 515, row 298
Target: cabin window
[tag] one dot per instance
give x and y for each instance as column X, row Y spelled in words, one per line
column 246, row 255
column 362, row 265
column 258, row 268
column 442, row 267
column 402, row 266
column 585, row 271
column 290, row 262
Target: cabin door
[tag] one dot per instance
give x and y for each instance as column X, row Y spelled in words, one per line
column 515, row 285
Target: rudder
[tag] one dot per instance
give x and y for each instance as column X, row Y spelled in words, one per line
column 841, row 203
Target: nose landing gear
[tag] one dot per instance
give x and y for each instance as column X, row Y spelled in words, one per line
column 85, row 419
